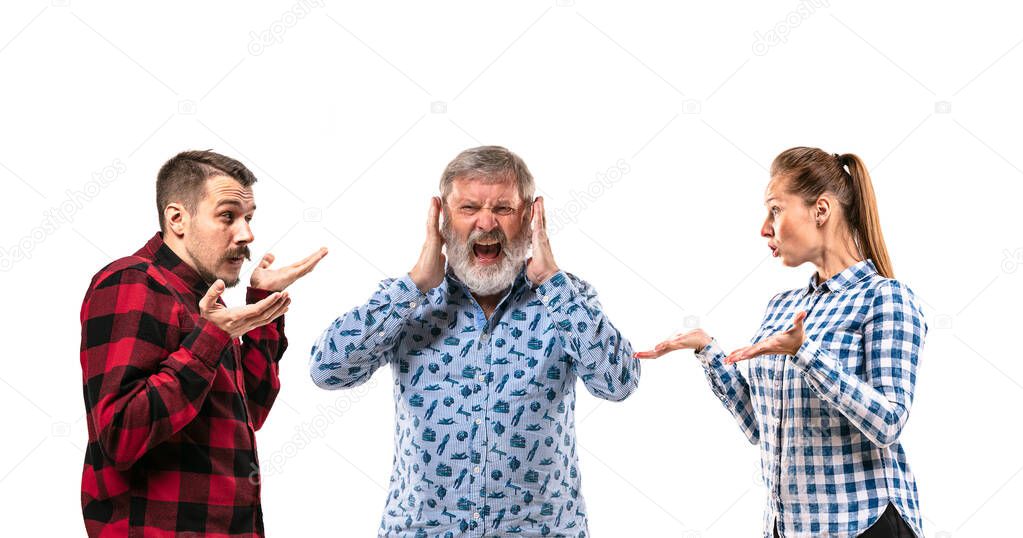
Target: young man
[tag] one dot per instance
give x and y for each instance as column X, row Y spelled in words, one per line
column 173, row 398
column 485, row 350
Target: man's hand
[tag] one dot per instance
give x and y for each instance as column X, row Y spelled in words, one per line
column 265, row 278
column 540, row 266
column 238, row 321
column 783, row 343
column 428, row 272
column 694, row 339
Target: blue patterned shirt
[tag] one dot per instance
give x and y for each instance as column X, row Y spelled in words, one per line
column 484, row 440
column 828, row 418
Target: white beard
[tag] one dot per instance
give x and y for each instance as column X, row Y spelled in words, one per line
column 486, row 280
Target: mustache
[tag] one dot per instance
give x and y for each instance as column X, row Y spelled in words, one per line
column 493, row 235
column 238, row 252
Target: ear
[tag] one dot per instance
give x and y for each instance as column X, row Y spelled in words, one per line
column 822, row 210
column 175, row 219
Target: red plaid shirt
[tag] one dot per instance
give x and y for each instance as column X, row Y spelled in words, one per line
column 172, row 404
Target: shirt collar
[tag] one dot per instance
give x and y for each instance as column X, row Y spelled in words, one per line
column 844, row 278
column 162, row 255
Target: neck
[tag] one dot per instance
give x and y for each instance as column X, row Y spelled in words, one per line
column 177, row 246
column 488, row 302
column 835, row 259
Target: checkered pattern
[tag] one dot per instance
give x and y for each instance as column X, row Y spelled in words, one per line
column 828, row 418
column 172, row 404
column 485, row 441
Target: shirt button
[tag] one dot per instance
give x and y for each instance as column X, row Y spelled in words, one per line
column 381, row 333
column 542, row 296
column 412, row 304
column 479, row 421
column 485, row 337
column 475, row 515
column 476, row 469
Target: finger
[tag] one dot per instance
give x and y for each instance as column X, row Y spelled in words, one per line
column 267, row 260
column 210, row 299
column 433, row 218
column 315, row 256
column 258, row 308
column 740, row 354
column 647, row 354
column 315, row 259
column 797, row 324
column 543, row 214
column 273, row 313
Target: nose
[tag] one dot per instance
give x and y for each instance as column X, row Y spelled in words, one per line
column 243, row 235
column 767, row 230
column 486, row 221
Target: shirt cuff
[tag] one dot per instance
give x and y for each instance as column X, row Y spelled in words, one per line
column 550, row 291
column 405, row 296
column 807, row 354
column 207, row 342
column 711, row 355
column 254, row 295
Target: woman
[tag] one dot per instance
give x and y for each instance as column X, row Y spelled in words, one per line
column 833, row 365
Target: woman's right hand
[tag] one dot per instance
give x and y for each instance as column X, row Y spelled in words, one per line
column 695, row 339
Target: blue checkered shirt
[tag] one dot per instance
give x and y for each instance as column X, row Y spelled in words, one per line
column 484, row 440
column 828, row 418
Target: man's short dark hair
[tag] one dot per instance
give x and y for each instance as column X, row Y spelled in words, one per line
column 183, row 178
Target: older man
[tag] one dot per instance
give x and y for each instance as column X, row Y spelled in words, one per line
column 173, row 398
column 485, row 350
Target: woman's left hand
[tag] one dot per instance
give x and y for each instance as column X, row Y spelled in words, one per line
column 783, row 343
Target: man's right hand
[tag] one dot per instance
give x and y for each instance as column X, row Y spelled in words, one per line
column 240, row 320
column 428, row 272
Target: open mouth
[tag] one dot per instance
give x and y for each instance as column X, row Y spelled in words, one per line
column 236, row 260
column 486, row 252
column 774, row 251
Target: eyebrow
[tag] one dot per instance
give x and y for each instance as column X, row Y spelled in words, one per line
column 234, row 202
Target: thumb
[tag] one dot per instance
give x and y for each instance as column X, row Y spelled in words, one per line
column 267, row 260
column 797, row 324
column 212, row 295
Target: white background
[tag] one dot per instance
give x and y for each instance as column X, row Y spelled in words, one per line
column 349, row 112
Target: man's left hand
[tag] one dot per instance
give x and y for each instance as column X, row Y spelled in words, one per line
column 265, row 278
column 540, row 267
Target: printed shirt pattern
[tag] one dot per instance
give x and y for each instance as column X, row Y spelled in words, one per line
column 828, row 418
column 172, row 404
column 484, row 437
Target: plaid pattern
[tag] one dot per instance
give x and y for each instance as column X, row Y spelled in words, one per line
column 172, row 404
column 484, row 441
column 828, row 418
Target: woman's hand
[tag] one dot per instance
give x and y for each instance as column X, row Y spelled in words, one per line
column 783, row 343
column 694, row 339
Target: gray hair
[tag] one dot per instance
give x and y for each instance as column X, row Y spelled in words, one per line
column 490, row 164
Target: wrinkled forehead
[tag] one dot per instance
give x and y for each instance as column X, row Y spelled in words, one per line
column 224, row 190
column 775, row 188
column 485, row 189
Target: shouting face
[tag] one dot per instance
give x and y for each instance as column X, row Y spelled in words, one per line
column 486, row 233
